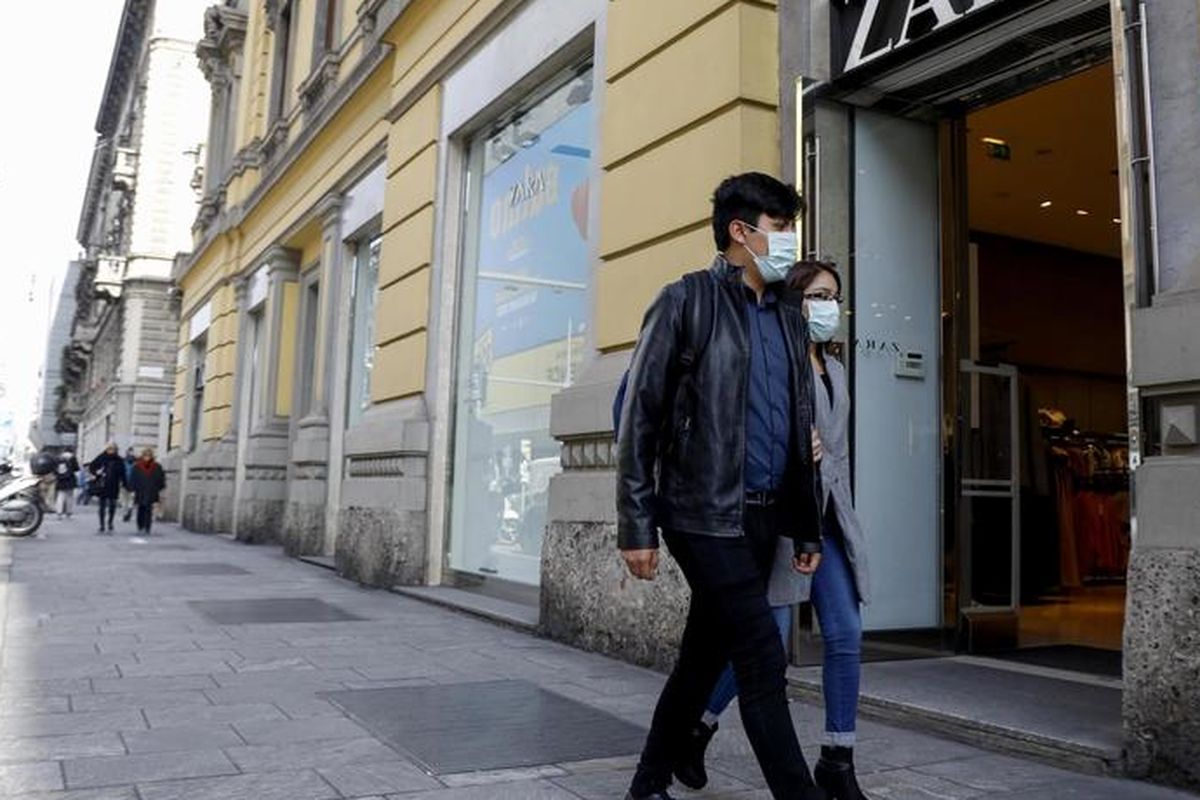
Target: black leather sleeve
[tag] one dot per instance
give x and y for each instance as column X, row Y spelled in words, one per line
column 642, row 416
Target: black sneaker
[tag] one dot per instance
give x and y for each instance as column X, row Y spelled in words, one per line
column 689, row 770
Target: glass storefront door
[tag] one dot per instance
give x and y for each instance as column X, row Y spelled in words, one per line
column 524, row 323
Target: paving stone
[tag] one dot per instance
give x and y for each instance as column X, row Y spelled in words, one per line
column 87, row 722
column 192, row 568
column 109, row 793
column 315, row 755
column 268, row 732
column 354, row 780
column 37, row 704
column 520, row 790
column 36, row 777
column 57, row 748
column 996, row 773
column 116, row 770
column 184, row 737
column 160, row 683
column 1088, row 788
column 268, row 610
column 241, row 712
column 16, row 687
column 303, row 785
column 115, row 702
column 902, row 784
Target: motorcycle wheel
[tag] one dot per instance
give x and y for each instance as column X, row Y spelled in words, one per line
column 33, row 521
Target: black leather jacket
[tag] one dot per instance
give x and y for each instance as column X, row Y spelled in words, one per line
column 681, row 468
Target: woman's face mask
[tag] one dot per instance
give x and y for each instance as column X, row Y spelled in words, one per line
column 824, row 317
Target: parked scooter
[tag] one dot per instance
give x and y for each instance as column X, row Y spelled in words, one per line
column 21, row 509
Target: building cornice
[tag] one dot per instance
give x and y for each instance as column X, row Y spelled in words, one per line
column 135, row 20
column 276, row 156
column 224, row 36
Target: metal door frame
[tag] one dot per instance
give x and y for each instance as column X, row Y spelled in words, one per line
column 985, row 487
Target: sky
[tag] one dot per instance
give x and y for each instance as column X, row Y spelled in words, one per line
column 50, row 90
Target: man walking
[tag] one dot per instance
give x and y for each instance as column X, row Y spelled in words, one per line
column 715, row 449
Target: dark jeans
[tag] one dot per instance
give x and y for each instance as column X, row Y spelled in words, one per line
column 108, row 509
column 729, row 621
column 145, row 517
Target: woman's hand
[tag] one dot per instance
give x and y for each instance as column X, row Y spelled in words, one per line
column 806, row 563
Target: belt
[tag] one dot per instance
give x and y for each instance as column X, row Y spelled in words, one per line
column 762, row 498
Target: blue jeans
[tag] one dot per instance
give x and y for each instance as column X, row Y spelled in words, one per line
column 835, row 599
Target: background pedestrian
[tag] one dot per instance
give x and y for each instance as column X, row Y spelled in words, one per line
column 146, row 485
column 108, row 476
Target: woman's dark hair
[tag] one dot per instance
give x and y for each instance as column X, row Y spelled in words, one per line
column 748, row 196
column 805, row 272
column 802, row 276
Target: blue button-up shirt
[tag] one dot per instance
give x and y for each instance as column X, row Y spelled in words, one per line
column 768, row 401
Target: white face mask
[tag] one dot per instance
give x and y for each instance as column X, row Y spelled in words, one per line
column 824, row 316
column 781, row 254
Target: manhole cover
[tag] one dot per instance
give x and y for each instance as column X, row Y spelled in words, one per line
column 266, row 610
column 193, row 568
column 484, row 726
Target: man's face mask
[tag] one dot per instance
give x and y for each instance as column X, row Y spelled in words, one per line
column 782, row 247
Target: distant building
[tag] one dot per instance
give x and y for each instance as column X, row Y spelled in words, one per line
column 46, row 431
column 138, row 207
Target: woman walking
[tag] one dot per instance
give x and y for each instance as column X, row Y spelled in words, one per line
column 108, row 476
column 146, row 484
column 839, row 586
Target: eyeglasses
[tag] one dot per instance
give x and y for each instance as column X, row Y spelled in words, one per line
column 823, row 296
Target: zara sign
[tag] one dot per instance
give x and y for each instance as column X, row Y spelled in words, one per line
column 865, row 30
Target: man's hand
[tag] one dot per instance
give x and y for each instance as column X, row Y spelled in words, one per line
column 806, row 563
column 817, row 448
column 642, row 564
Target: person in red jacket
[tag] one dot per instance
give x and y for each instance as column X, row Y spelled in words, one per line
column 147, row 481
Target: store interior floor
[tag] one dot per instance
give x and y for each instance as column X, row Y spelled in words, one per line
column 1093, row 616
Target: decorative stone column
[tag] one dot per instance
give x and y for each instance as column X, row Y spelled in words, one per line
column 588, row 598
column 263, row 452
column 306, row 530
column 1162, row 626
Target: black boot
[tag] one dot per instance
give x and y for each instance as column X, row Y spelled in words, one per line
column 835, row 774
column 690, row 767
column 661, row 795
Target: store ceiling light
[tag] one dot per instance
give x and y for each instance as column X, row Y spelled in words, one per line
column 994, row 140
column 1047, row 203
column 1116, row 220
column 1082, row 212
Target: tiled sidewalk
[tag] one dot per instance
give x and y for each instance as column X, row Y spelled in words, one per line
column 117, row 684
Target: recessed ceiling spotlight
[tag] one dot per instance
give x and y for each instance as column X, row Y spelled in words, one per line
column 1116, row 220
column 1082, row 212
column 1047, row 203
column 994, row 140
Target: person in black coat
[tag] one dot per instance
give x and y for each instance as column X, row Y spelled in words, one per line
column 147, row 482
column 108, row 476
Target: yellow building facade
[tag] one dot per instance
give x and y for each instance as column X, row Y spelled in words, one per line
column 428, row 233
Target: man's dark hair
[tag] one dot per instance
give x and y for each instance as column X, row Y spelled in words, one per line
column 746, row 197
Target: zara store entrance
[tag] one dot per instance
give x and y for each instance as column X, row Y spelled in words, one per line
column 962, row 168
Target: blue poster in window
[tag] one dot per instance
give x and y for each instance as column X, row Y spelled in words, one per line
column 534, row 260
